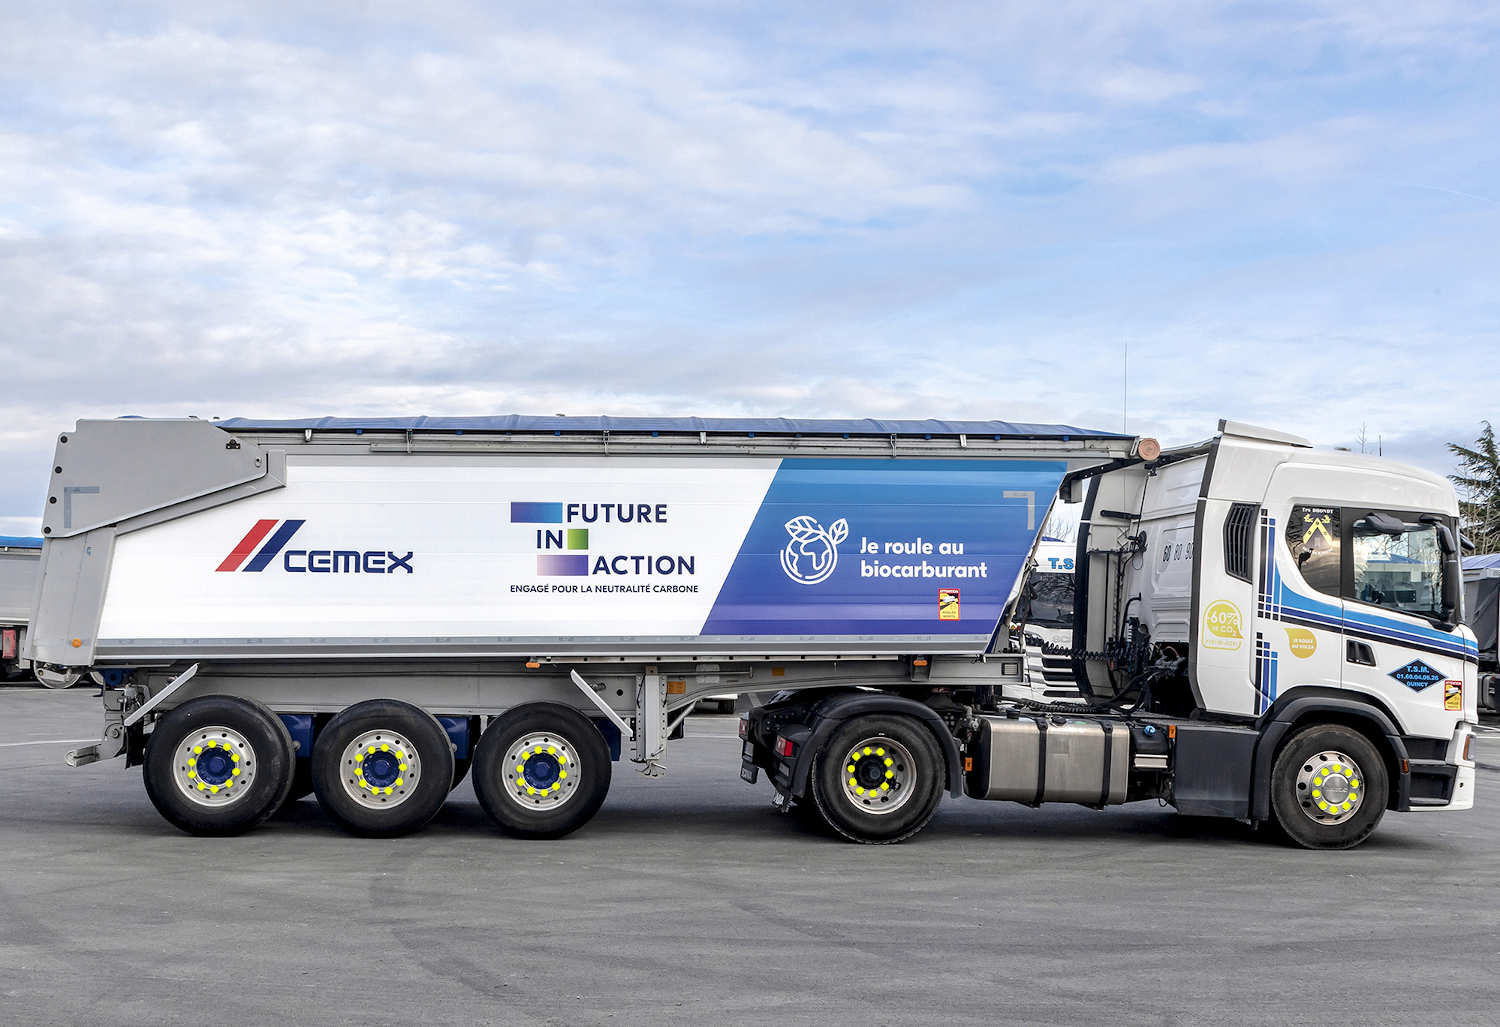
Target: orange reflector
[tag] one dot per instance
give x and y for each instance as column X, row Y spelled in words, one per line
column 77, row 642
column 1171, row 730
column 1148, row 449
column 1467, row 742
column 532, row 665
column 778, row 672
column 1405, row 766
column 676, row 687
column 968, row 764
column 919, row 662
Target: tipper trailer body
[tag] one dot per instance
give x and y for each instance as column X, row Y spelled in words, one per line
column 364, row 608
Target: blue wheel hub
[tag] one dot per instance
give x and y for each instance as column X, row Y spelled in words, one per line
column 214, row 766
column 541, row 770
column 381, row 769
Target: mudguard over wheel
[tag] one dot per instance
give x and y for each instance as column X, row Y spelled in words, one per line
column 302, row 783
column 382, row 768
column 541, row 771
column 1329, row 787
column 460, row 771
column 879, row 778
column 218, row 765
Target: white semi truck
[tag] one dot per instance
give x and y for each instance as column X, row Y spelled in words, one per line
column 20, row 559
column 1043, row 622
column 371, row 607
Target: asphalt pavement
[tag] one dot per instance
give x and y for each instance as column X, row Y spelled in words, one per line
column 688, row 900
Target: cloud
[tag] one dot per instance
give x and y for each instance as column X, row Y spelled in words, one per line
column 965, row 210
column 1136, row 84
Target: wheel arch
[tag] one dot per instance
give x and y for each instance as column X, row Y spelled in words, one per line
column 1297, row 708
column 831, row 712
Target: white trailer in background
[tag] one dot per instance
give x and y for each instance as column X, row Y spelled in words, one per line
column 364, row 607
column 1482, row 613
column 20, row 560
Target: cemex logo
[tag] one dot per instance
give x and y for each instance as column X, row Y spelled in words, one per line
column 305, row 561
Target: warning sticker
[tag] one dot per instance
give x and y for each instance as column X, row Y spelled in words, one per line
column 947, row 604
column 1453, row 695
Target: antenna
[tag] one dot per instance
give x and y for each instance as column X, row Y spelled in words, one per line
column 1125, row 393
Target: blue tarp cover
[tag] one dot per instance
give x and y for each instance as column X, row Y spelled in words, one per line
column 19, row 542
column 738, row 425
column 1481, row 561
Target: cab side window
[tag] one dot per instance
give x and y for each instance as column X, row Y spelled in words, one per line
column 1398, row 566
column 1312, row 536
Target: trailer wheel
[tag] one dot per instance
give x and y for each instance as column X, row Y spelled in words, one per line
column 1328, row 787
column 879, row 779
column 541, row 771
column 382, row 767
column 218, row 765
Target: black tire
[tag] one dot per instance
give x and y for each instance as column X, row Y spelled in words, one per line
column 195, row 746
column 1293, row 795
column 397, row 795
column 857, row 818
column 460, row 770
column 578, row 774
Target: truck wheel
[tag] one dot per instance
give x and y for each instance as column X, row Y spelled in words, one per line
column 218, row 765
column 382, row 768
column 541, row 771
column 1328, row 787
column 879, row 779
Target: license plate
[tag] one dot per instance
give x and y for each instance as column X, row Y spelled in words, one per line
column 749, row 773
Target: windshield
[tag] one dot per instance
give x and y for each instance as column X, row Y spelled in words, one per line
column 1401, row 571
column 1051, row 598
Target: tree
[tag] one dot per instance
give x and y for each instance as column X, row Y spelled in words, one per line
column 1478, row 481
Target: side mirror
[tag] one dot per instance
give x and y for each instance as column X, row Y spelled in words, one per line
column 1444, row 534
column 1453, row 578
column 1385, row 523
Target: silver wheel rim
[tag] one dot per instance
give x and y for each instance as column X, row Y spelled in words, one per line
column 1330, row 787
column 879, row 775
column 541, row 771
column 380, row 769
column 214, row 766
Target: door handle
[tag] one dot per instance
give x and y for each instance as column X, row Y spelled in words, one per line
column 1361, row 653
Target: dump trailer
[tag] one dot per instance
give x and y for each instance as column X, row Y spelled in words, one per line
column 1482, row 614
column 20, row 558
column 371, row 608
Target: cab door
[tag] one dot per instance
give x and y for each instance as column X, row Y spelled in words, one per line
column 1299, row 619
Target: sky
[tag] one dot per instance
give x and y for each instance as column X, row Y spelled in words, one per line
column 1287, row 214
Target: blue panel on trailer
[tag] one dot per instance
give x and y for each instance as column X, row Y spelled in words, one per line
column 738, row 425
column 458, row 734
column 19, row 542
column 300, row 726
column 885, row 547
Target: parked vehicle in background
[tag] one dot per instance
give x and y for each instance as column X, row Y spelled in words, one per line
column 1482, row 612
column 20, row 561
column 1044, row 620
